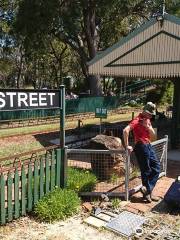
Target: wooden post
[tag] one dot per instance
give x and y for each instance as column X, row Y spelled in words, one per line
column 175, row 129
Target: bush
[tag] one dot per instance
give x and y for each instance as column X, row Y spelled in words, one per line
column 116, row 203
column 133, row 103
column 80, row 180
column 162, row 94
column 56, row 205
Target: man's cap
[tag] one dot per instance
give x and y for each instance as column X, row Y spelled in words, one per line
column 150, row 108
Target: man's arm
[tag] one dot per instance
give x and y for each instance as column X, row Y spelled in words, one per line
column 152, row 132
column 126, row 132
column 147, row 124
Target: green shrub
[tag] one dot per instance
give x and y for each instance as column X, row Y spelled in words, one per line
column 114, row 178
column 116, row 203
column 80, row 180
column 133, row 103
column 135, row 173
column 56, row 205
column 162, row 94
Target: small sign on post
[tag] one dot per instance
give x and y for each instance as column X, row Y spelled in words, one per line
column 100, row 113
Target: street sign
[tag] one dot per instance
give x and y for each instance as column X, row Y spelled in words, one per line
column 12, row 100
column 101, row 112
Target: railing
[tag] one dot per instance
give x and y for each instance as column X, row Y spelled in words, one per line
column 160, row 147
column 116, row 171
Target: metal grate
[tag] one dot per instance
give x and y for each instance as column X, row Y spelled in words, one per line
column 126, row 223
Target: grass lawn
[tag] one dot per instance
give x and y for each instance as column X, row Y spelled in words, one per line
column 16, row 145
column 12, row 145
column 55, row 127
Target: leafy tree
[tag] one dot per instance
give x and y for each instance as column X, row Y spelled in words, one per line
column 51, row 39
column 11, row 54
column 83, row 25
column 162, row 93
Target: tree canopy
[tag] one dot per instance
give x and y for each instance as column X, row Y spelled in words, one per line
column 58, row 37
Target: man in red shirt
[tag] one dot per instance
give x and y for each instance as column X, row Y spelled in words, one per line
column 146, row 157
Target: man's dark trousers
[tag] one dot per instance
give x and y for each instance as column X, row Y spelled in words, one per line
column 148, row 164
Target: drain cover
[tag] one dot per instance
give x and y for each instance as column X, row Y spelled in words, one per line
column 126, row 223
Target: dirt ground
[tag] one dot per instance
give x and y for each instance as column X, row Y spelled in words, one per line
column 72, row 229
column 27, row 228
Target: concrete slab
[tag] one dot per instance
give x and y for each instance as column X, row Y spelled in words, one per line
column 174, row 155
column 95, row 222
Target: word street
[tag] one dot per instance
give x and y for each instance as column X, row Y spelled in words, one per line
column 28, row 100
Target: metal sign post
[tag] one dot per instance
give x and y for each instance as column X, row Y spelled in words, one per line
column 100, row 127
column 100, row 113
column 62, row 138
column 62, row 115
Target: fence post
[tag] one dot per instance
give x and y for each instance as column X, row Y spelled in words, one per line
column 127, row 175
column 166, row 150
column 16, row 193
column 9, row 190
column 132, row 115
column 63, row 174
column 2, row 200
column 58, row 167
column 130, row 92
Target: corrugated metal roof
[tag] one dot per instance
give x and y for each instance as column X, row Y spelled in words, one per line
column 152, row 50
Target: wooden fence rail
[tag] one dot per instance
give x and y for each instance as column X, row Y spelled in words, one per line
column 22, row 187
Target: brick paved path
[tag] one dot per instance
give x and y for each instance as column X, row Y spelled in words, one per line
column 137, row 204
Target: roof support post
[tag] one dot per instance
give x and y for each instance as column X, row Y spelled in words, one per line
column 175, row 130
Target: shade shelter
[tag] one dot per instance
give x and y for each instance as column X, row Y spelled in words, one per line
column 152, row 51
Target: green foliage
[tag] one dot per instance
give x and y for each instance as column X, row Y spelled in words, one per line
column 56, row 205
column 82, row 25
column 133, row 103
column 35, row 34
column 115, row 203
column 135, row 173
column 80, row 180
column 114, row 178
column 162, row 94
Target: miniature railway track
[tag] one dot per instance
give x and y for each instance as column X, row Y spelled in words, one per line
column 18, row 123
column 79, row 142
column 8, row 124
column 33, row 133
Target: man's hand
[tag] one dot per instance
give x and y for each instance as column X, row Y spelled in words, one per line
column 129, row 148
column 148, row 126
column 147, row 123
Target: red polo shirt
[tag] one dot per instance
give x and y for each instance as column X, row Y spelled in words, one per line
column 141, row 134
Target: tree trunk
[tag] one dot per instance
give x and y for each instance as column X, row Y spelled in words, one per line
column 175, row 128
column 93, row 81
column 92, row 39
column 95, row 85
